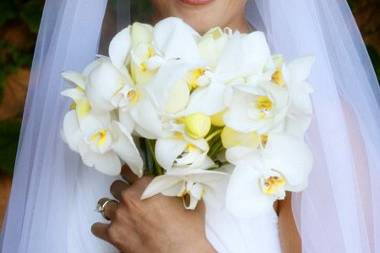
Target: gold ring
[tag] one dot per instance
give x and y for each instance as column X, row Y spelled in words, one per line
column 102, row 204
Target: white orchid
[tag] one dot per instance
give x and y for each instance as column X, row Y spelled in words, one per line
column 99, row 140
column 300, row 108
column 192, row 184
column 242, row 56
column 261, row 108
column 146, row 48
column 179, row 151
column 101, row 144
column 262, row 176
column 212, row 44
column 105, row 86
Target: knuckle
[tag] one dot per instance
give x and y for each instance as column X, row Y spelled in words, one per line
column 127, row 195
column 119, row 214
column 131, row 203
column 114, row 235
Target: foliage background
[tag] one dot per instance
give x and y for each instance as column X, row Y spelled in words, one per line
column 19, row 22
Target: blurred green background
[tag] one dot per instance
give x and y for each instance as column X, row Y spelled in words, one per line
column 19, row 22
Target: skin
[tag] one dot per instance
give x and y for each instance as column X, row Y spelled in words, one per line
column 159, row 224
column 221, row 13
column 147, row 226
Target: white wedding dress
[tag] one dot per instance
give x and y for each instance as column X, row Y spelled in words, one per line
column 231, row 235
column 53, row 199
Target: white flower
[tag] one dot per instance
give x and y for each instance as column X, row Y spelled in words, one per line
column 261, row 108
column 192, row 184
column 243, row 55
column 147, row 48
column 262, row 176
column 300, row 107
column 179, row 150
column 92, row 134
column 105, row 84
column 101, row 143
column 211, row 46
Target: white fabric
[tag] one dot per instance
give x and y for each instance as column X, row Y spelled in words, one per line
column 53, row 196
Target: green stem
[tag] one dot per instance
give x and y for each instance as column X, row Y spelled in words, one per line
column 157, row 168
column 214, row 134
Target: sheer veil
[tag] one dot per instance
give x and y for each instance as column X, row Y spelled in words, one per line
column 53, row 196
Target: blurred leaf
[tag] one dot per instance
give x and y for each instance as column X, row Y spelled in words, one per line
column 9, row 134
column 375, row 57
column 10, row 60
column 8, row 10
column 31, row 13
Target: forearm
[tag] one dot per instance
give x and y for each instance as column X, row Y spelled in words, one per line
column 290, row 240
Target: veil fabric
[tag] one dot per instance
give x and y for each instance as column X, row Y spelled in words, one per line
column 53, row 196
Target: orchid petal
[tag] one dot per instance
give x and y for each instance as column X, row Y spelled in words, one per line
column 71, row 131
column 175, row 39
column 160, row 184
column 141, row 33
column 108, row 163
column 120, row 46
column 104, row 82
column 126, row 148
column 167, row 150
column 300, row 69
column 75, row 78
column 291, row 157
column 244, row 197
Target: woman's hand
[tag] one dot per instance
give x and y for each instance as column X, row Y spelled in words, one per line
column 159, row 224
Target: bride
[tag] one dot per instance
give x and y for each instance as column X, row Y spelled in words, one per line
column 53, row 200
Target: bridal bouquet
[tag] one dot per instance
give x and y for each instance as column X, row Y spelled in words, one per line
column 212, row 117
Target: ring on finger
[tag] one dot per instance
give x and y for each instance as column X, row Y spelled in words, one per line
column 102, row 205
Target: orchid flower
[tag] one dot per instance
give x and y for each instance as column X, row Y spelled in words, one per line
column 242, row 56
column 94, row 135
column 260, row 108
column 101, row 145
column 192, row 184
column 180, row 150
column 262, row 176
column 147, row 48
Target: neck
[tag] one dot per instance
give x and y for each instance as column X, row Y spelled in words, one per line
column 240, row 24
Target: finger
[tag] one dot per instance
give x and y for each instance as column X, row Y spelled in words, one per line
column 110, row 210
column 117, row 188
column 128, row 175
column 100, row 230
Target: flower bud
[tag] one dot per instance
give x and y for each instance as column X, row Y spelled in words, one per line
column 197, row 125
column 217, row 119
column 231, row 138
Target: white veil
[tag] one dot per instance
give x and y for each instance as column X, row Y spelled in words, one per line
column 53, row 196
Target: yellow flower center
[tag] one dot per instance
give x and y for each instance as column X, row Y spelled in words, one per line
column 264, row 103
column 278, row 78
column 193, row 81
column 82, row 108
column 273, row 184
column 150, row 52
column 99, row 138
column 264, row 140
column 133, row 96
